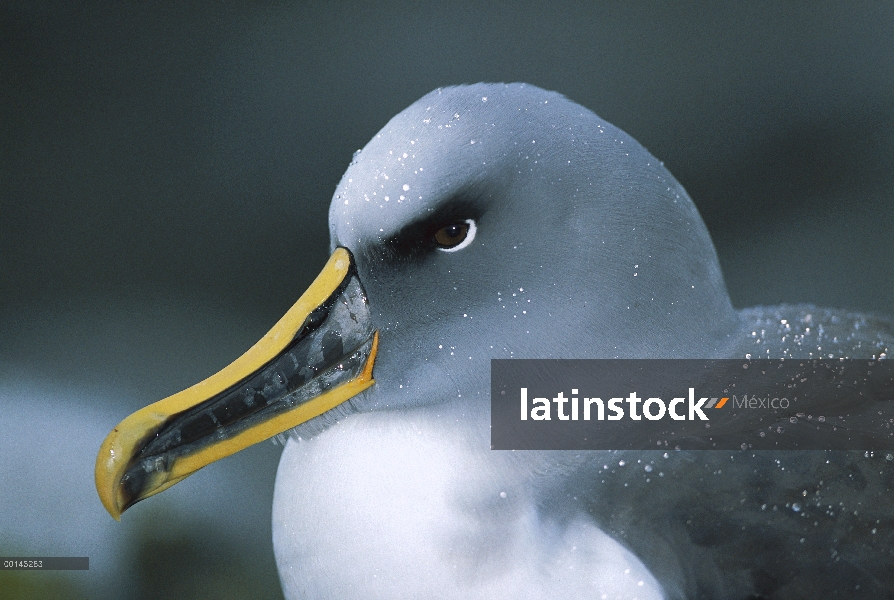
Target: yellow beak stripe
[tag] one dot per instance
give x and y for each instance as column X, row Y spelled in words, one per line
column 126, row 440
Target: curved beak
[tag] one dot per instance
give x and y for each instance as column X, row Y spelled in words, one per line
column 318, row 355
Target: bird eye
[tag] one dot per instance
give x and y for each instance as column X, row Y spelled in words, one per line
column 455, row 236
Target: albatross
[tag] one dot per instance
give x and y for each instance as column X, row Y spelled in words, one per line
column 505, row 221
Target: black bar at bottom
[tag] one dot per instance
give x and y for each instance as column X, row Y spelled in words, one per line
column 44, row 563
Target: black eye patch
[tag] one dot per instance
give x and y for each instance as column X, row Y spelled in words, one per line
column 444, row 227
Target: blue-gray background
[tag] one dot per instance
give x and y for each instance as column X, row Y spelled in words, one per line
column 166, row 169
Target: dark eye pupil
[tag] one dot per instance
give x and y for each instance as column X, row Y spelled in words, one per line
column 451, row 235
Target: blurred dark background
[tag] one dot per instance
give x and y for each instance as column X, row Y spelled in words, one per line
column 166, row 170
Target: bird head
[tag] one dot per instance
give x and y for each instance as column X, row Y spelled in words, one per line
column 484, row 221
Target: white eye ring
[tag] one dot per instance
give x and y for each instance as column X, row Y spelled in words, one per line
column 470, row 235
